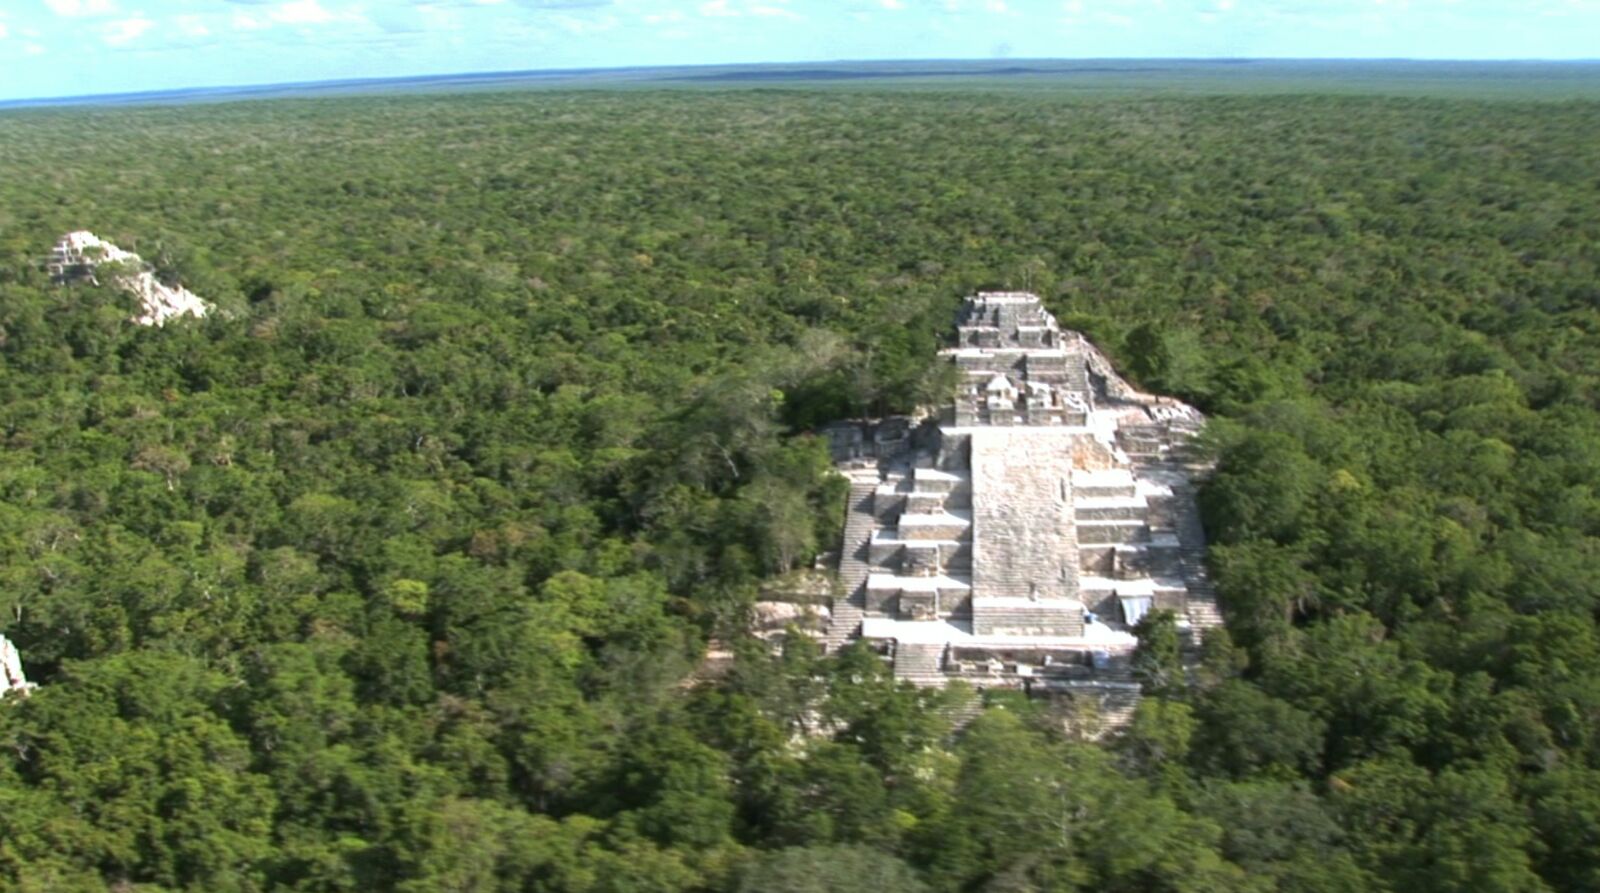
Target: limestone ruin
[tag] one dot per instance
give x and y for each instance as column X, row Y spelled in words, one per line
column 79, row 255
column 1016, row 539
column 11, row 676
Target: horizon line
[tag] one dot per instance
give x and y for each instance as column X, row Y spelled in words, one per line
column 137, row 97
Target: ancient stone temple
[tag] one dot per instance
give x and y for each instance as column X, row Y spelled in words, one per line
column 1016, row 539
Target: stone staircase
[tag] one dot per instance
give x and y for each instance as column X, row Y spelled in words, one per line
column 963, row 712
column 1020, row 498
column 1117, row 708
column 1077, row 371
column 1115, row 695
column 921, row 663
column 846, row 611
column 1204, row 614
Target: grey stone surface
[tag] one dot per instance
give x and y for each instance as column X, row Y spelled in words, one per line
column 1024, row 544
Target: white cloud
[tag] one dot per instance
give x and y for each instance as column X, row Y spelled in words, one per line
column 4, row 32
column 721, row 9
column 575, row 25
column 893, row 4
column 125, row 30
column 303, row 12
column 191, row 26
column 671, row 15
column 81, row 8
column 33, row 49
column 995, row 5
column 776, row 12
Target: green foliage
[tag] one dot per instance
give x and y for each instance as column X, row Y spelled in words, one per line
column 1282, row 834
column 1244, row 731
column 1158, row 660
column 147, row 782
column 829, row 869
column 394, row 572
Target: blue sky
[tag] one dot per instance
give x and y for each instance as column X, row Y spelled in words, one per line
column 72, row 47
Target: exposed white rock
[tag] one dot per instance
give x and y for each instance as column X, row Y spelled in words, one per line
column 776, row 615
column 772, row 619
column 79, row 254
column 11, row 677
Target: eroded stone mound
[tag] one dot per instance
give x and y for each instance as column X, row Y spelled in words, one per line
column 79, row 256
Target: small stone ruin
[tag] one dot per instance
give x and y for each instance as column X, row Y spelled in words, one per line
column 11, row 675
column 78, row 257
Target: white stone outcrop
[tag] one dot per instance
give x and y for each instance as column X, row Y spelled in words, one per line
column 78, row 255
column 11, row 676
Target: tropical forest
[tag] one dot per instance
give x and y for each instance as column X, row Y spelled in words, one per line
column 426, row 560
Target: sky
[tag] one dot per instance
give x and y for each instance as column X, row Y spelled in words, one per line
column 79, row 47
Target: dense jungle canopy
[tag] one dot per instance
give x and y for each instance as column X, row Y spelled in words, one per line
column 392, row 574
